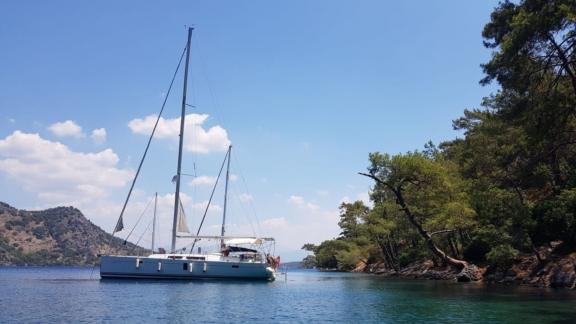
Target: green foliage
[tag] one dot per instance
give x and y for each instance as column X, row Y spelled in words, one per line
column 310, row 247
column 309, row 262
column 508, row 185
column 327, row 251
column 40, row 232
column 410, row 255
column 347, row 259
column 502, row 256
column 352, row 216
column 556, row 218
column 483, row 239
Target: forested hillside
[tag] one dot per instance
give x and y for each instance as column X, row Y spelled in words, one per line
column 502, row 196
column 56, row 236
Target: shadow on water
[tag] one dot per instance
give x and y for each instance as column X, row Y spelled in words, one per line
column 127, row 281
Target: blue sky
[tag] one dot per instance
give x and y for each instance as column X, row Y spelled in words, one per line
column 303, row 89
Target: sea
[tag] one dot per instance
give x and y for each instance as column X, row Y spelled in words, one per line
column 77, row 295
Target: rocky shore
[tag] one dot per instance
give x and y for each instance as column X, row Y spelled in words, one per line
column 552, row 268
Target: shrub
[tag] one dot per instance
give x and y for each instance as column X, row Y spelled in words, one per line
column 411, row 255
column 502, row 256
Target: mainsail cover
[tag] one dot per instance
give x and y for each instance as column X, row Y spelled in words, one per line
column 182, row 226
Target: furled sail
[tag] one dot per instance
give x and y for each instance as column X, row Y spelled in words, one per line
column 119, row 225
column 182, row 226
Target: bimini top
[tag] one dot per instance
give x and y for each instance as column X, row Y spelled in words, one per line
column 230, row 239
column 243, row 240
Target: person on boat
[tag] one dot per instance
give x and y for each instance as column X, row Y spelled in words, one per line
column 271, row 261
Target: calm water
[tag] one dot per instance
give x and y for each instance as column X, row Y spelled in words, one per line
column 70, row 295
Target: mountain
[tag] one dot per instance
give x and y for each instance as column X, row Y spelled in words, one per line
column 55, row 236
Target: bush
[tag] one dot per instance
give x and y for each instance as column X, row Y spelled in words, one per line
column 348, row 259
column 326, row 253
column 40, row 232
column 483, row 240
column 309, row 262
column 411, row 255
column 502, row 256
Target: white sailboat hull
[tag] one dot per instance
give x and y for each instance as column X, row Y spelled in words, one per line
column 163, row 268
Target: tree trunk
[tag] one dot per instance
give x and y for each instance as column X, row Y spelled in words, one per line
column 387, row 260
column 452, row 245
column 460, row 264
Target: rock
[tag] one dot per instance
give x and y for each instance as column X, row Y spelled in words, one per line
column 469, row 273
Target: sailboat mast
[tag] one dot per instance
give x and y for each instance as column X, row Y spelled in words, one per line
column 182, row 117
column 226, row 196
column 154, row 222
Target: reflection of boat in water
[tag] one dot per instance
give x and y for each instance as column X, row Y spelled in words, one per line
column 234, row 258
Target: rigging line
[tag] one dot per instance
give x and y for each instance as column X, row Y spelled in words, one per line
column 247, row 214
column 149, row 141
column 138, row 221
column 219, row 116
column 210, row 200
column 251, row 202
column 194, row 191
column 142, row 235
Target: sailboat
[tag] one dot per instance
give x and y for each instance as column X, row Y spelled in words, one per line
column 235, row 258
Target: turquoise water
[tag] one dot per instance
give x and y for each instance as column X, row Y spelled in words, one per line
column 70, row 295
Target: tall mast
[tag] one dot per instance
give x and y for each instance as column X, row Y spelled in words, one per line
column 154, row 222
column 182, row 117
column 226, row 196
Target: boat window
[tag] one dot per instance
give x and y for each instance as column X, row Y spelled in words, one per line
column 196, row 258
column 185, row 266
column 175, row 257
column 235, row 266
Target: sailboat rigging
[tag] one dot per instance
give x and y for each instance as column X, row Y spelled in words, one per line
column 237, row 257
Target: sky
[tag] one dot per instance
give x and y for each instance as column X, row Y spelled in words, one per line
column 302, row 90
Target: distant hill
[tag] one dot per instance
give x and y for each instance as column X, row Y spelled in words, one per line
column 56, row 236
column 291, row 265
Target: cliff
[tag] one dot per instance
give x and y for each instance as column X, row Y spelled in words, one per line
column 56, row 236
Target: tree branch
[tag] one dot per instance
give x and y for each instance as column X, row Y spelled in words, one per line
column 443, row 231
column 564, row 60
column 375, row 178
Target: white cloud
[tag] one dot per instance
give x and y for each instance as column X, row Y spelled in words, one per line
column 362, row 196
column 197, row 139
column 209, row 180
column 58, row 176
column 298, row 201
column 38, row 163
column 66, row 128
column 98, row 135
column 244, row 197
column 365, row 197
column 275, row 223
column 203, row 180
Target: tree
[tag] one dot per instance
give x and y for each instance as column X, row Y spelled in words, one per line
column 425, row 189
column 534, row 38
column 351, row 217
